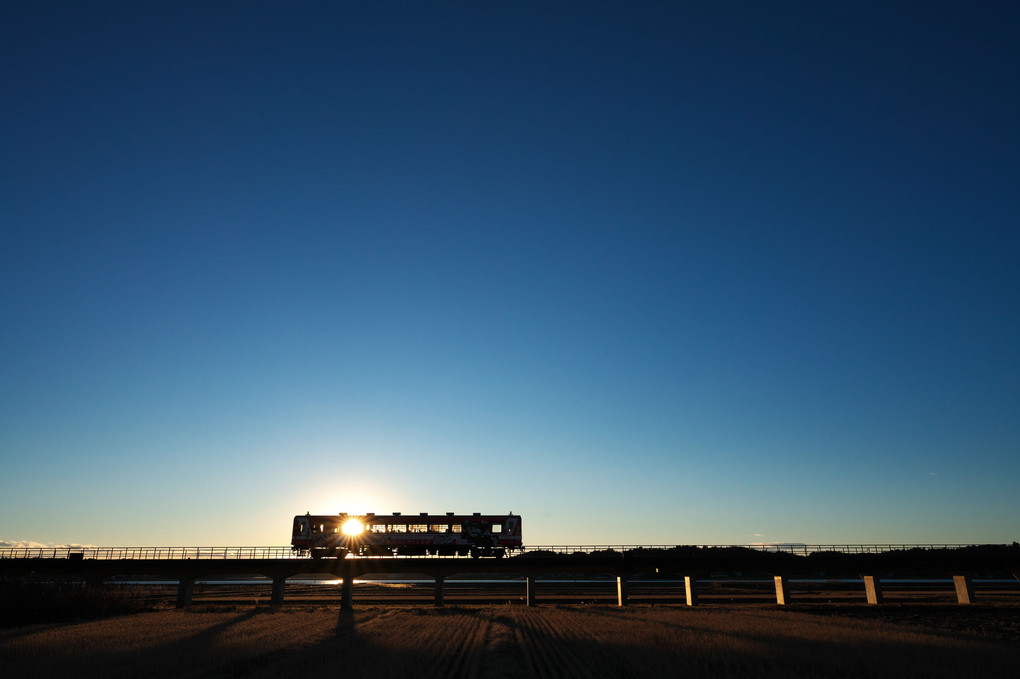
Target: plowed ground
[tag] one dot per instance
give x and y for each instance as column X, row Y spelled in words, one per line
column 547, row 641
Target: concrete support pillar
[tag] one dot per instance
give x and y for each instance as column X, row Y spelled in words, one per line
column 277, row 598
column 621, row 591
column 964, row 589
column 440, row 580
column 692, row 590
column 531, row 590
column 873, row 588
column 184, row 591
column 347, row 591
column 782, row 590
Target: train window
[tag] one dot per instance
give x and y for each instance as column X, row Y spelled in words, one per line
column 497, row 528
column 456, row 527
column 436, row 528
column 398, row 528
column 417, row 528
column 322, row 528
column 377, row 528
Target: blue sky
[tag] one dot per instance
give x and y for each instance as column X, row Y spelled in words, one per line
column 687, row 273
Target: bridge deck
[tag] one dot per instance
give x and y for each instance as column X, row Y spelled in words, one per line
column 285, row 552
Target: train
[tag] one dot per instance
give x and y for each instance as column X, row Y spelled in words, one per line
column 449, row 534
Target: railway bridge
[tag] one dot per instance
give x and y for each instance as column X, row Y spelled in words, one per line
column 188, row 564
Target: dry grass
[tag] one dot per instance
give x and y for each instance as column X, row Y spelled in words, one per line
column 27, row 601
column 548, row 641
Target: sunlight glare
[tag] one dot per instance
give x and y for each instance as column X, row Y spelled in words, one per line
column 352, row 527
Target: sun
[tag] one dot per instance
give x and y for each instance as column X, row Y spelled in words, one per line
column 352, row 527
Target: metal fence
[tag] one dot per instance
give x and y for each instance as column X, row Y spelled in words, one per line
column 148, row 553
column 785, row 548
column 226, row 553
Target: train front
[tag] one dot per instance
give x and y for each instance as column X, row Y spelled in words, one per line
column 334, row 535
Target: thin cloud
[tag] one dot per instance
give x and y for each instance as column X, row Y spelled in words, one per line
column 32, row 544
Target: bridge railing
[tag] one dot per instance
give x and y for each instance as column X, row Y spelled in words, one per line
column 147, row 553
column 226, row 553
column 785, row 548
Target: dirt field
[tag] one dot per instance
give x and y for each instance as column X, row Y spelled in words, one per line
column 515, row 641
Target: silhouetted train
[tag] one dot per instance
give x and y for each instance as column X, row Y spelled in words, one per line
column 396, row 534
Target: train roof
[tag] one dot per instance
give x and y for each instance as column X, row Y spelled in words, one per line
column 423, row 517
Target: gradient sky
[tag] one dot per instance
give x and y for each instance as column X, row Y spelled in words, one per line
column 681, row 273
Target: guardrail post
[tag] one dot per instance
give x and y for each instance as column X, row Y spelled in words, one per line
column 873, row 589
column 440, row 580
column 531, row 590
column 964, row 589
column 184, row 591
column 621, row 591
column 277, row 598
column 691, row 586
column 782, row 590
